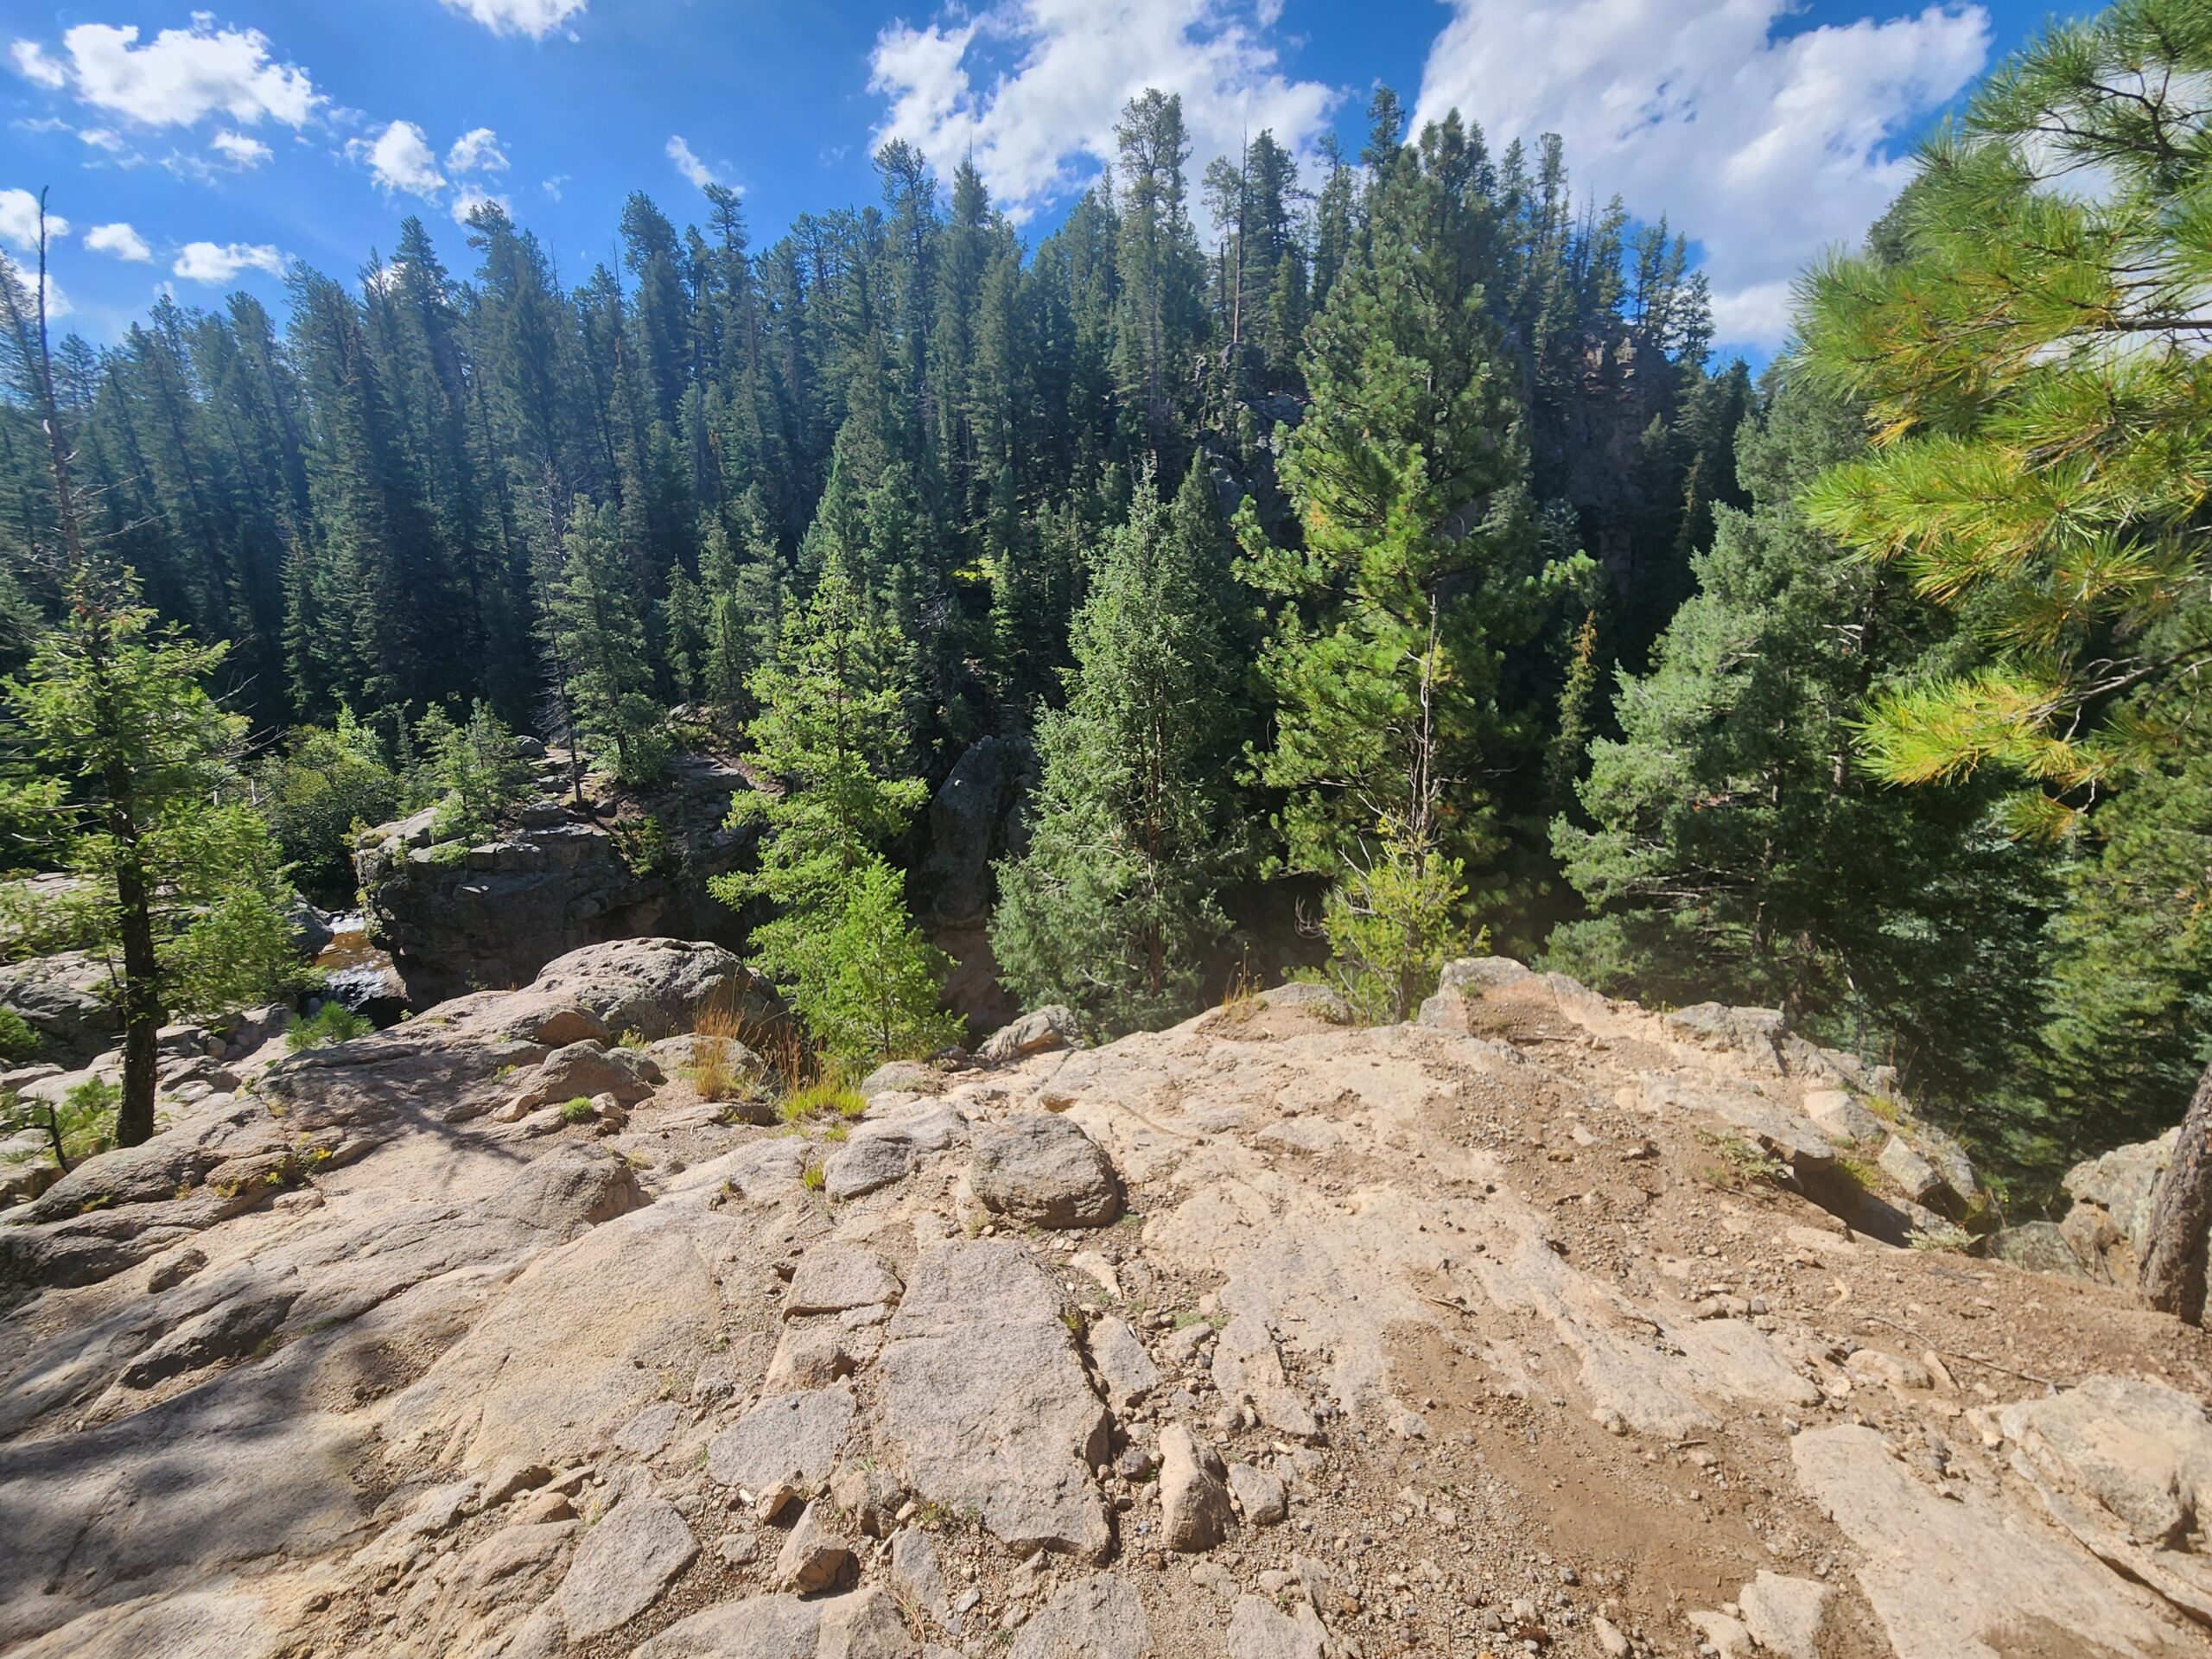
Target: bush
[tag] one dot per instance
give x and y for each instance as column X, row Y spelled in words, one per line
column 471, row 772
column 333, row 1022
column 17, row 1040
column 576, row 1110
column 317, row 790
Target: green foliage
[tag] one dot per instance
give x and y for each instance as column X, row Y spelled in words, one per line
column 598, row 635
column 825, row 1097
column 1733, row 850
column 2034, row 368
column 577, row 1110
column 644, row 844
column 333, row 1022
column 831, row 728
column 1110, row 908
column 1418, row 566
column 317, row 789
column 1392, row 922
column 136, row 790
column 17, row 1040
column 472, row 773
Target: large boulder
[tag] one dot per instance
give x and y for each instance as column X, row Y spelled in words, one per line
column 61, row 998
column 2114, row 1197
column 1043, row 1169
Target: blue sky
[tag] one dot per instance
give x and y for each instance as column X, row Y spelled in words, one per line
column 200, row 150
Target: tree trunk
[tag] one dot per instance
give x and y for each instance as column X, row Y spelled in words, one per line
column 142, row 1013
column 2174, row 1256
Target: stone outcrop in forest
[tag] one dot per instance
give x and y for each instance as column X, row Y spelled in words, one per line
column 1541, row 1320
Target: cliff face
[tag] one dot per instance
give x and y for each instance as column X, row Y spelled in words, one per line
column 459, row 917
column 1543, row 1320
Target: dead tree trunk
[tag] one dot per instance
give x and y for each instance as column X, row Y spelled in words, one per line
column 2173, row 1276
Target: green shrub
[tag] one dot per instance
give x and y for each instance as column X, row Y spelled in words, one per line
column 333, row 1022
column 17, row 1040
column 825, row 1097
column 577, row 1110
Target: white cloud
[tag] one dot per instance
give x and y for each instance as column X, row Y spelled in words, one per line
column 1766, row 147
column 471, row 197
column 477, row 151
column 1042, row 130
column 400, row 158
column 536, row 18
column 182, row 76
column 690, row 165
column 33, row 64
column 552, row 187
column 212, row 262
column 121, row 240
column 243, row 153
column 19, row 220
column 104, row 138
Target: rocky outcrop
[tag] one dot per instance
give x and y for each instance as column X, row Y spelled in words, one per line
column 458, row 918
column 1542, row 1323
column 970, row 822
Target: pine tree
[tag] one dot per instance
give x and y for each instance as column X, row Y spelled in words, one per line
column 1736, row 852
column 1111, row 909
column 1417, row 562
column 832, row 729
column 594, row 619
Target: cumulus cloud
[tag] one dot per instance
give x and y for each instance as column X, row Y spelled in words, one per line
column 1765, row 146
column 221, row 262
column 536, row 18
column 120, row 239
column 241, row 152
column 1043, row 127
column 477, row 151
column 690, row 165
column 19, row 220
column 400, row 158
column 181, row 77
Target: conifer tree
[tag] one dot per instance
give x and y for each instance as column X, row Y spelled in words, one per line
column 1111, row 908
column 2034, row 366
column 594, row 618
column 832, row 729
column 127, row 753
column 1408, row 477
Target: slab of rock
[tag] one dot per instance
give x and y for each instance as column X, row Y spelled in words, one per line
column 789, row 1443
column 2125, row 1465
column 1968, row 1580
column 865, row 1624
column 585, row 1070
column 813, row 1557
column 1789, row 1137
column 1043, row 1169
column 1837, row 1113
column 832, row 1277
column 1920, row 1179
column 867, row 1164
column 1725, row 1637
column 1783, row 1614
column 986, row 1400
column 1124, row 1365
column 623, row 1565
column 759, row 1627
column 1193, row 1503
column 917, row 1574
column 1247, row 1365
column 1096, row 1617
column 1259, row 1494
column 1465, row 983
column 1256, row 1630
column 901, row 1077
column 1036, row 1032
